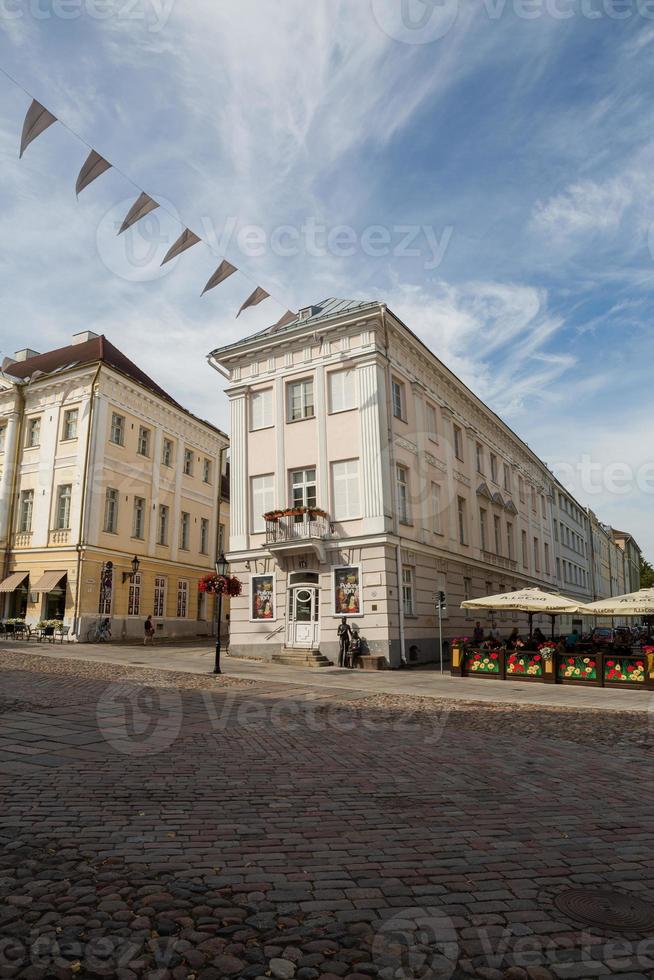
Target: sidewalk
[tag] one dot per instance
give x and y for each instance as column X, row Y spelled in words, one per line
column 414, row 682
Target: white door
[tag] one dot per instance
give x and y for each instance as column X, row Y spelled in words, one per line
column 303, row 628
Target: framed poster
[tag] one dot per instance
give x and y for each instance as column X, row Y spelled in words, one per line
column 347, row 591
column 262, row 598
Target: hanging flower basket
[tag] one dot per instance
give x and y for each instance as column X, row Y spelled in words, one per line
column 213, row 584
column 273, row 516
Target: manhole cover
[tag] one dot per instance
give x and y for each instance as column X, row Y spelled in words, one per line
column 609, row 909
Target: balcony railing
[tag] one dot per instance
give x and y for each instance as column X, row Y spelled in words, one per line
column 59, row 536
column 288, row 529
column 23, row 539
column 500, row 560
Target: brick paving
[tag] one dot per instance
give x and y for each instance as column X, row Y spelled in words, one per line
column 156, row 827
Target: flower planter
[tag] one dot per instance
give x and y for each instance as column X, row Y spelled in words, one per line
column 579, row 669
column 625, row 671
column 484, row 663
column 525, row 665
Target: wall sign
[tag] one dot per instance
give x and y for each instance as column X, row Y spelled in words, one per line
column 262, row 598
column 347, row 591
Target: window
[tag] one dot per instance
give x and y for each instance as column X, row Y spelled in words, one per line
column 143, row 446
column 547, row 558
column 221, row 539
column 188, row 462
column 399, row 401
column 184, row 530
column 521, row 489
column 261, row 409
column 556, row 530
column 26, row 510
column 303, row 489
column 536, row 555
column 507, row 477
column 342, row 386
column 461, row 513
column 206, row 470
column 204, row 536
column 167, row 452
column 543, row 506
column 525, row 560
column 534, row 501
column 117, row 433
column 182, row 598
column 71, row 416
column 300, row 400
column 3, row 433
column 483, row 529
column 62, row 519
column 509, row 540
column 435, row 508
column 263, row 499
column 33, row 432
column 134, row 596
column 458, row 442
column 407, row 590
column 493, row 465
column 162, row 537
column 432, row 422
column 159, row 605
column 497, row 526
column 345, row 490
column 402, row 486
column 111, row 511
column 479, row 452
column 138, row 518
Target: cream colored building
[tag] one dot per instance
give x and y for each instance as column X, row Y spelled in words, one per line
column 99, row 465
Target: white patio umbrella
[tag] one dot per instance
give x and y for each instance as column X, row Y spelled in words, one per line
column 640, row 603
column 527, row 600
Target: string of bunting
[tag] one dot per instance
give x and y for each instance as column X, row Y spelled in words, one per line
column 39, row 118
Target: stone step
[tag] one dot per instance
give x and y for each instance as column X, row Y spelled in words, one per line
column 292, row 657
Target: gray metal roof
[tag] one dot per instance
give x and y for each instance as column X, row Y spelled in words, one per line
column 324, row 310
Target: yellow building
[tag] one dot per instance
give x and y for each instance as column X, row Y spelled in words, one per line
column 100, row 466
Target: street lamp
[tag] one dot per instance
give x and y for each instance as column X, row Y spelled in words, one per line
column 221, row 569
column 135, row 563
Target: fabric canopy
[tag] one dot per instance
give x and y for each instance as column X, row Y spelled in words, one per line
column 639, row 603
column 48, row 581
column 11, row 583
column 526, row 600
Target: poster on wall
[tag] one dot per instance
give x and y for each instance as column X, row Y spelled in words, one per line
column 262, row 597
column 347, row 591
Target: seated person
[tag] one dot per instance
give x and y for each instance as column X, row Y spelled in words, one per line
column 539, row 636
column 513, row 639
column 572, row 639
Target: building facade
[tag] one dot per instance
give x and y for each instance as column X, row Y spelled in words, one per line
column 98, row 466
column 366, row 478
column 629, row 548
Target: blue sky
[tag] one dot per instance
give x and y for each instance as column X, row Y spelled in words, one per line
column 512, row 141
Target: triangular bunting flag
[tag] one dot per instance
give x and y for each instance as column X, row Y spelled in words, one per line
column 141, row 206
column 94, row 166
column 185, row 240
column 36, row 122
column 287, row 317
column 224, row 271
column 254, row 299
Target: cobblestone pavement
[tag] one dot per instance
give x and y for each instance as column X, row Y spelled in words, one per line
column 155, row 826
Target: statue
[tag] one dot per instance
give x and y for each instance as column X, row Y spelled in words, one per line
column 344, row 633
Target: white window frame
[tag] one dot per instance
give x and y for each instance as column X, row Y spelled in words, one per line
column 261, row 409
column 307, row 406
column 458, row 442
column 159, row 599
column 431, row 419
column 262, row 499
column 206, row 470
column 305, row 484
column 204, row 535
column 402, row 479
column 26, row 512
column 167, row 452
column 63, row 505
column 184, row 531
column 134, row 595
column 117, row 429
column 69, row 428
column 398, row 399
column 188, row 462
column 342, row 390
column 143, row 445
column 182, row 599
column 163, row 525
column 348, row 480
column 135, row 511
column 33, row 438
column 111, row 498
column 408, row 594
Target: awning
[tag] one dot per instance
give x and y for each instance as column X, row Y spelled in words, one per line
column 12, row 581
column 48, row 581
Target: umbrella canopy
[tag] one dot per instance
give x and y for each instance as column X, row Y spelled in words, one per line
column 639, row 603
column 526, row 600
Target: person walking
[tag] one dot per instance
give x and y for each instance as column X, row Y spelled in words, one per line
column 148, row 629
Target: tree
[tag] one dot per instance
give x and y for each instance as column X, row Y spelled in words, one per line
column 646, row 574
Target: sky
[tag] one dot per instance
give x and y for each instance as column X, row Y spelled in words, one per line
column 482, row 167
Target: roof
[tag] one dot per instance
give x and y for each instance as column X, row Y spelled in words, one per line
column 96, row 349
column 324, row 310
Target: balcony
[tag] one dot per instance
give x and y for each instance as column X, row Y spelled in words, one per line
column 22, row 539
column 499, row 560
column 294, row 534
column 59, row 536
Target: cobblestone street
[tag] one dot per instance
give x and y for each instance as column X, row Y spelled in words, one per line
column 165, row 825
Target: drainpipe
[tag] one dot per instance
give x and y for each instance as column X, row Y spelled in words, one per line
column 82, row 511
column 219, row 481
column 396, row 524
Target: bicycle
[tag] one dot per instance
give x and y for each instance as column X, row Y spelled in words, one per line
column 100, row 632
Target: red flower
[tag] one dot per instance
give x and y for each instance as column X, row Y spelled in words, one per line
column 537, row 657
column 610, row 663
column 629, row 668
column 571, row 661
column 477, row 656
column 493, row 656
column 639, row 663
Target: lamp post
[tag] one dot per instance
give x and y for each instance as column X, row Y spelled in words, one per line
column 135, row 563
column 221, row 569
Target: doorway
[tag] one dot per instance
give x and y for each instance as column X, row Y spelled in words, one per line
column 303, row 622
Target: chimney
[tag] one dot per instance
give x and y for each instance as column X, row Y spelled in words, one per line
column 83, row 336
column 25, row 354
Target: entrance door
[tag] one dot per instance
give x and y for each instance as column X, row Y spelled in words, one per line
column 303, row 627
